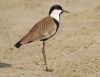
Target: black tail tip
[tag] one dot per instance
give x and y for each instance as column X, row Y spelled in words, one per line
column 17, row 45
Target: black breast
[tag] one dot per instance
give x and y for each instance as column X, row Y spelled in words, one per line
column 57, row 24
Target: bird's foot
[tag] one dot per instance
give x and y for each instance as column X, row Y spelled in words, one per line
column 49, row 70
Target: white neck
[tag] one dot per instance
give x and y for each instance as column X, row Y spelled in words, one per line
column 55, row 14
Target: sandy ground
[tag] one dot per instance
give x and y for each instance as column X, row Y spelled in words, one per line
column 73, row 52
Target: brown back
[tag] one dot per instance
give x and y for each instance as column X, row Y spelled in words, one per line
column 41, row 30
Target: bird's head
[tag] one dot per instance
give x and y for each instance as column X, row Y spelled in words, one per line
column 57, row 9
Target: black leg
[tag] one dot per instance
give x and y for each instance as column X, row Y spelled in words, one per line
column 43, row 52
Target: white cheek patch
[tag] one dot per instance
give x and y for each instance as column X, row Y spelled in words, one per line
column 55, row 14
column 57, row 11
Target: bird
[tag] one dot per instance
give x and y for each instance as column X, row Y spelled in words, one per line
column 44, row 30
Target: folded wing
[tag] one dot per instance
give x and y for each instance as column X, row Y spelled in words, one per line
column 42, row 30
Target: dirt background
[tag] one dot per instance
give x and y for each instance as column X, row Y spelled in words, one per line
column 73, row 52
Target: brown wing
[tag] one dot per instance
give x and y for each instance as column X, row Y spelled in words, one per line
column 43, row 29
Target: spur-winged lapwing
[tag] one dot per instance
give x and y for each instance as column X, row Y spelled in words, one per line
column 44, row 29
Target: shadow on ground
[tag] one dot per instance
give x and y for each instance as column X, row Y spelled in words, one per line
column 5, row 65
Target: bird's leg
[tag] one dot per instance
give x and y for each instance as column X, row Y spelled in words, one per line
column 43, row 52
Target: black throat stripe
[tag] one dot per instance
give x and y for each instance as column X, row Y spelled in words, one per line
column 57, row 24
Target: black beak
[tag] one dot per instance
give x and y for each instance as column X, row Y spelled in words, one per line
column 65, row 11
